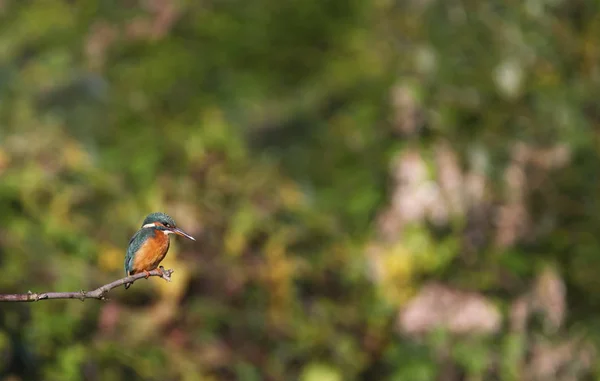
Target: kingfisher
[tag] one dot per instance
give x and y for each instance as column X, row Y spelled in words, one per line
column 149, row 245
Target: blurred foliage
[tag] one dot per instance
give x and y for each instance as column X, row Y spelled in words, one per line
column 332, row 158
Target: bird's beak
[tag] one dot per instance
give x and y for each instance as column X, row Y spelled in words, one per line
column 182, row 233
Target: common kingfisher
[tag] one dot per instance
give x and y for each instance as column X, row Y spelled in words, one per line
column 149, row 245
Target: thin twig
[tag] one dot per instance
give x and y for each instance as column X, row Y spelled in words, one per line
column 99, row 293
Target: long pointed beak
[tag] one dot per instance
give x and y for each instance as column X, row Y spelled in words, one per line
column 182, row 233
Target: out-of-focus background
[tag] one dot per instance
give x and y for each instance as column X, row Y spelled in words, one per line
column 381, row 190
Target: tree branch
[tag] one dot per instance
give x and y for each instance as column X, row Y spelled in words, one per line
column 99, row 293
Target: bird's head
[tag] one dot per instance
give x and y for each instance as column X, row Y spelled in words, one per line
column 164, row 223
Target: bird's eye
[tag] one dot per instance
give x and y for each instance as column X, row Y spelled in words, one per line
column 167, row 225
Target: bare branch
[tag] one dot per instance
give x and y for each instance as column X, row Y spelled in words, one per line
column 99, row 293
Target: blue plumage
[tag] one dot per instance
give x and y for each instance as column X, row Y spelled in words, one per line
column 135, row 243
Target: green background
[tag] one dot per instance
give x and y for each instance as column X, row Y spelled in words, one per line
column 380, row 190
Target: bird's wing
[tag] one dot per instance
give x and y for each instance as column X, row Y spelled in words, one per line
column 134, row 245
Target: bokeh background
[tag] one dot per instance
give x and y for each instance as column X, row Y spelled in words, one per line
column 381, row 190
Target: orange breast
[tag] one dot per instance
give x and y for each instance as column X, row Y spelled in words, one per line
column 151, row 253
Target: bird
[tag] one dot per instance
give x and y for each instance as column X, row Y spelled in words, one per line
column 149, row 245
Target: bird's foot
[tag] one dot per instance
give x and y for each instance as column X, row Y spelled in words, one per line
column 147, row 274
